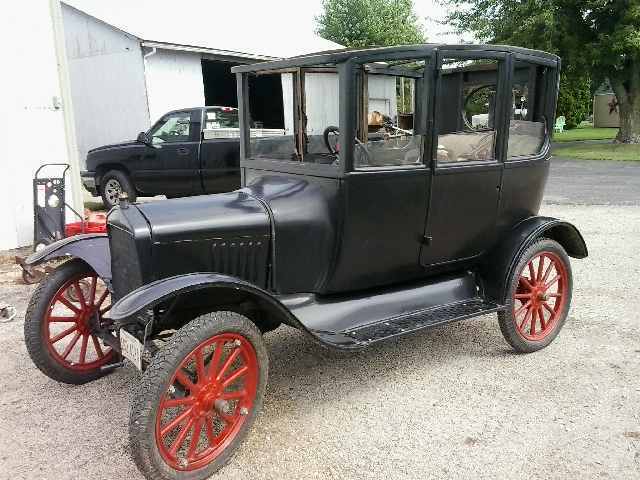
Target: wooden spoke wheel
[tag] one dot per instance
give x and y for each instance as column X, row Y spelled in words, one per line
column 199, row 397
column 539, row 297
column 62, row 319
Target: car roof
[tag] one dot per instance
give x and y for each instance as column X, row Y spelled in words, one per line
column 423, row 49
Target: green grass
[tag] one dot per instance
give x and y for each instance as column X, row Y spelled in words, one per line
column 601, row 151
column 585, row 132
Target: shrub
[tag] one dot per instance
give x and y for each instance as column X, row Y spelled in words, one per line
column 574, row 99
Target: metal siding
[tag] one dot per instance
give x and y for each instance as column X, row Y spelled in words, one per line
column 107, row 81
column 174, row 80
column 32, row 124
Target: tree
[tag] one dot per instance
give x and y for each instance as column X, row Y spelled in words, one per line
column 369, row 23
column 598, row 38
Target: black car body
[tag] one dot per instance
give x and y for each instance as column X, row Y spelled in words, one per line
column 190, row 151
column 354, row 233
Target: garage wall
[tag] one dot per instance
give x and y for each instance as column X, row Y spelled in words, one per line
column 174, row 80
column 107, row 81
column 32, row 124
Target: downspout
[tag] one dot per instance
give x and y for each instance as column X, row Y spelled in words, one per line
column 153, row 51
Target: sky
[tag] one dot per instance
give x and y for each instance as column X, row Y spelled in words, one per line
column 278, row 21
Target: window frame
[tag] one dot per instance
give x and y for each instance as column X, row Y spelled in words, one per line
column 501, row 126
column 548, row 107
column 163, row 120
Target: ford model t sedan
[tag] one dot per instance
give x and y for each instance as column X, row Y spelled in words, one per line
column 403, row 193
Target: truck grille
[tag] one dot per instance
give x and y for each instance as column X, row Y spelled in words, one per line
column 125, row 265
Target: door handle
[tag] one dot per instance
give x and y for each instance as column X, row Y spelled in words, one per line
column 183, row 151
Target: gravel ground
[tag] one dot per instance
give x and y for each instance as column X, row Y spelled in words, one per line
column 453, row 402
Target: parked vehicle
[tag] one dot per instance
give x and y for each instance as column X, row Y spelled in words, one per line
column 351, row 239
column 191, row 151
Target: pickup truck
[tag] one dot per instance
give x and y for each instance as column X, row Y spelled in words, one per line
column 187, row 152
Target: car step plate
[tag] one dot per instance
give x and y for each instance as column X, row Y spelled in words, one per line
column 421, row 319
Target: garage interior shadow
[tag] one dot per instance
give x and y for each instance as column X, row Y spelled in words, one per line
column 220, row 89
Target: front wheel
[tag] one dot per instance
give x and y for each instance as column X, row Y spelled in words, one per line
column 538, row 298
column 61, row 322
column 198, row 398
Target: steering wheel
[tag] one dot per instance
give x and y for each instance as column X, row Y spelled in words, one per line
column 331, row 129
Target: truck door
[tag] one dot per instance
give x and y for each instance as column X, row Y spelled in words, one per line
column 171, row 165
column 469, row 124
column 220, row 150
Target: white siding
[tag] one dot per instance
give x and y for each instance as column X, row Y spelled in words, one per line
column 107, row 81
column 321, row 92
column 31, row 127
column 382, row 94
column 174, row 80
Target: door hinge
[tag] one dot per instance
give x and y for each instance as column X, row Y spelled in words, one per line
column 426, row 239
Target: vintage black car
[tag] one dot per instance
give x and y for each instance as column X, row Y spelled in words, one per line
column 404, row 196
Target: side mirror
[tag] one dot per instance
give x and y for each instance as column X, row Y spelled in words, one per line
column 142, row 138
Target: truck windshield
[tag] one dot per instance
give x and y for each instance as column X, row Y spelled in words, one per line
column 222, row 117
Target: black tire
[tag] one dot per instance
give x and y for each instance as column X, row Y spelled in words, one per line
column 520, row 340
column 158, row 378
column 113, row 182
column 35, row 335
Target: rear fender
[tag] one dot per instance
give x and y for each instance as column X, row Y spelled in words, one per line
column 93, row 248
column 501, row 261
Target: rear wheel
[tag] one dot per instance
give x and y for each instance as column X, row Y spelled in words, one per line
column 113, row 183
column 61, row 322
column 198, row 398
column 539, row 297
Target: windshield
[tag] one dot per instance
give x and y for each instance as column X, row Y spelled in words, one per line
column 222, row 117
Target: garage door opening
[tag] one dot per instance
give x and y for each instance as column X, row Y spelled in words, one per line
column 265, row 93
column 219, row 83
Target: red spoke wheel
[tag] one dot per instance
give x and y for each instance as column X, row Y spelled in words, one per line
column 199, row 397
column 63, row 316
column 539, row 297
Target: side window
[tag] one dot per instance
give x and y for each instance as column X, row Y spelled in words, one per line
column 174, row 127
column 466, row 111
column 527, row 126
column 387, row 117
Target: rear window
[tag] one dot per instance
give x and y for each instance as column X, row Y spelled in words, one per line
column 223, row 117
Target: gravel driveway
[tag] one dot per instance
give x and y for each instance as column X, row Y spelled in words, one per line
column 453, row 402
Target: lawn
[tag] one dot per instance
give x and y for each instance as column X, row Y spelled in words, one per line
column 585, row 132
column 601, row 151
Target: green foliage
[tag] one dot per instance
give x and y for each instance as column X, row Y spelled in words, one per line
column 574, row 99
column 369, row 23
column 598, row 38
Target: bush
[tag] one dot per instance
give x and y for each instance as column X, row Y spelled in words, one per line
column 574, row 99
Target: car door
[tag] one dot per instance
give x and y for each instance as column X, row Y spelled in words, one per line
column 467, row 146
column 171, row 162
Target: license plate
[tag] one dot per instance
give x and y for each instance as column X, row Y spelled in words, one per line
column 131, row 348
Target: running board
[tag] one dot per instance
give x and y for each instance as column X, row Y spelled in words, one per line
column 363, row 336
column 415, row 321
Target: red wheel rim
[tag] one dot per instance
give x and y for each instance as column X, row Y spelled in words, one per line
column 72, row 316
column 207, row 401
column 540, row 296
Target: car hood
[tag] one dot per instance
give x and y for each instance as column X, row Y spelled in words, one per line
column 128, row 143
column 206, row 217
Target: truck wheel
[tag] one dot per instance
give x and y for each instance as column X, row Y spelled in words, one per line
column 113, row 183
column 538, row 298
column 198, row 398
column 60, row 324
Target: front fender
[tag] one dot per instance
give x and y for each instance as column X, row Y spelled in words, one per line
column 156, row 292
column 93, row 248
column 500, row 262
